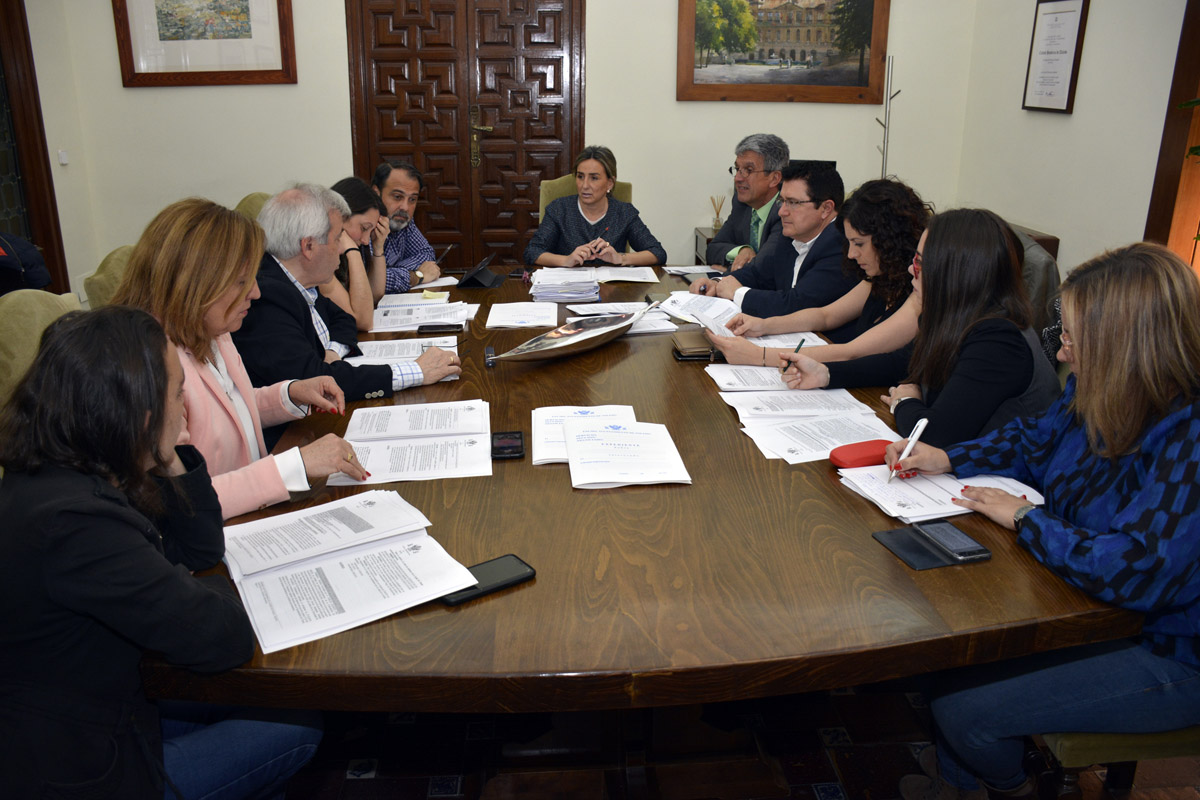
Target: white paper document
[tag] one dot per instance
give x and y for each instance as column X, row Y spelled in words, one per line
column 735, row 378
column 629, row 274
column 811, row 439
column 523, row 315
column 287, row 538
column 421, row 459
column 410, row 301
column 445, row 280
column 651, row 322
column 409, row 318
column 333, row 593
column 606, row 455
column 597, row 309
column 687, row 270
column 766, row 407
column 419, row 419
column 684, row 306
column 924, row 497
column 550, row 440
column 712, row 326
column 788, row 340
column 318, row 571
column 392, row 350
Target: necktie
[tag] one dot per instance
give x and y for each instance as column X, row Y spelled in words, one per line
column 755, row 229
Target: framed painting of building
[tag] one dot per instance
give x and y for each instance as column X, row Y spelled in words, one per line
column 204, row 42
column 782, row 51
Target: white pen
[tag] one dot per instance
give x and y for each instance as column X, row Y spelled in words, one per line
column 913, row 438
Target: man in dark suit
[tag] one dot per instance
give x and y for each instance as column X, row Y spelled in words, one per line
column 753, row 222
column 292, row 330
column 804, row 269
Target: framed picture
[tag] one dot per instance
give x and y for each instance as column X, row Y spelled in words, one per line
column 782, row 51
column 1054, row 52
column 205, row 42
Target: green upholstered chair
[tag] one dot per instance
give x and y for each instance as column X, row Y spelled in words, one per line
column 1119, row 752
column 102, row 284
column 551, row 190
column 251, row 204
column 24, row 314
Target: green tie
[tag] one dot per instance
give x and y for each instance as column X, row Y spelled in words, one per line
column 755, row 229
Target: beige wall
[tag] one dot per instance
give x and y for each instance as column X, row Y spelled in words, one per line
column 959, row 135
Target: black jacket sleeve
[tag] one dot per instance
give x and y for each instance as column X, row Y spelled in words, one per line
column 192, row 528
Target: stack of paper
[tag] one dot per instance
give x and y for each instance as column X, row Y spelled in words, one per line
column 924, row 497
column 564, row 285
column 412, row 316
column 735, row 378
column 408, row 300
column 420, row 442
column 604, row 455
column 811, row 439
column 550, row 440
column 684, row 306
column 391, row 351
column 769, row 408
column 523, row 315
column 319, row 571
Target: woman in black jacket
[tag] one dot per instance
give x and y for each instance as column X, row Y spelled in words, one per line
column 104, row 521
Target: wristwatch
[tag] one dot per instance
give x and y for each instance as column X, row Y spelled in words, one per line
column 420, row 276
column 1020, row 513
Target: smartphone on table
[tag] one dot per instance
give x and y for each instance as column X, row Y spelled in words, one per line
column 954, row 543
column 499, row 573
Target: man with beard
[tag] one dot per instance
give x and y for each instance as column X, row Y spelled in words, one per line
column 408, row 255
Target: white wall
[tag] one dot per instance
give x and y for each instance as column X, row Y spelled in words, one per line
column 676, row 153
column 133, row 151
column 1086, row 176
column 959, row 135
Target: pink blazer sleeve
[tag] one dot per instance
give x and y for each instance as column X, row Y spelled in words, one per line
column 211, row 424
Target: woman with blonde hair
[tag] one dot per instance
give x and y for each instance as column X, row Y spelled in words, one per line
column 194, row 269
column 1117, row 459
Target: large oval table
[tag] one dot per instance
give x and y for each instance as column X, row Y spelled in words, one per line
column 758, row 579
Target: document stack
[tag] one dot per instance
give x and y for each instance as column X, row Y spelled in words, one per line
column 565, row 285
column 924, row 497
column 420, row 442
column 409, row 317
column 319, row 571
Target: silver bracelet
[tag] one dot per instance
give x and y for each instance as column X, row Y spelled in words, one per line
column 897, row 402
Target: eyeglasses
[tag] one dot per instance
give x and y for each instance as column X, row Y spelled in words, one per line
column 794, row 204
column 917, row 263
column 744, row 172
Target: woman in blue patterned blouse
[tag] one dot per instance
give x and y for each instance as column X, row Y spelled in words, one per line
column 593, row 227
column 1117, row 458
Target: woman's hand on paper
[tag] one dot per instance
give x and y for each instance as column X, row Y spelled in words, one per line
column 748, row 326
column 804, row 373
column 322, row 393
column 738, row 351
column 996, row 504
column 924, row 458
column 329, row 454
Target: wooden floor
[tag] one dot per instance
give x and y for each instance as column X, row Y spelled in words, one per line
column 845, row 745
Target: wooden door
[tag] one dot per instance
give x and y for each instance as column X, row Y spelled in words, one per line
column 428, row 75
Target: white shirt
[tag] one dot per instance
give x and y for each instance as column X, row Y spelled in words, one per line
column 802, row 249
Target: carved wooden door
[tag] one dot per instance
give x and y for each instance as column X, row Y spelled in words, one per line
column 485, row 97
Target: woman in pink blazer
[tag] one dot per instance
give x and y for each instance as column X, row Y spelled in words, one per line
column 194, row 270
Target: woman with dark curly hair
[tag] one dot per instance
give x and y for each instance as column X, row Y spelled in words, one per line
column 882, row 220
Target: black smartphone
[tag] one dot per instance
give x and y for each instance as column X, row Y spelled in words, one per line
column 953, row 542
column 439, row 327
column 508, row 444
column 498, row 573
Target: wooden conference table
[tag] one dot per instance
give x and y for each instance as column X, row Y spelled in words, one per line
column 758, row 579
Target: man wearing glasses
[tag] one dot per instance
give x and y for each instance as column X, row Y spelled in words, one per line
column 804, row 268
column 754, row 218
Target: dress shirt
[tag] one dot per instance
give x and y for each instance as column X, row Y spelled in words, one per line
column 758, row 223
column 404, row 374
column 289, row 463
column 802, row 249
column 404, row 251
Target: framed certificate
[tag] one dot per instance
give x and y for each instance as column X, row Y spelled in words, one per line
column 213, row 42
column 1054, row 55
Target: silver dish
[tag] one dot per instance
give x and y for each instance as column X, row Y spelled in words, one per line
column 579, row 336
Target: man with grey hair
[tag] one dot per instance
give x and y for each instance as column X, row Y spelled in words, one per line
column 294, row 330
column 753, row 222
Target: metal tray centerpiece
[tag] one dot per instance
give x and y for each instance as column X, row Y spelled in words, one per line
column 586, row 333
